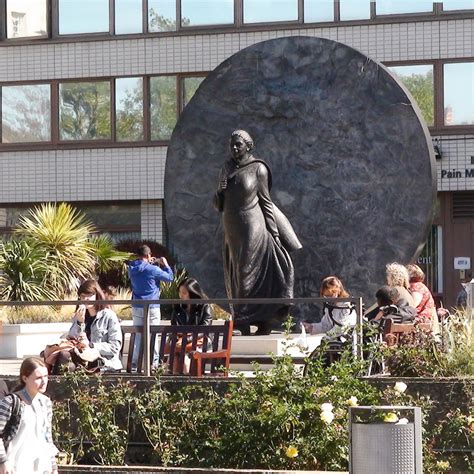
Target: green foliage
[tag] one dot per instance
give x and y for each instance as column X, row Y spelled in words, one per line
column 23, row 271
column 61, row 232
column 169, row 290
column 106, row 256
column 421, row 87
column 425, row 355
column 84, row 111
column 94, row 414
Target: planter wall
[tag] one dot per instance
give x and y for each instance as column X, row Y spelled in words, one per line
column 23, row 340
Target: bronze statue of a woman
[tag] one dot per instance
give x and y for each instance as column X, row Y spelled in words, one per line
column 257, row 238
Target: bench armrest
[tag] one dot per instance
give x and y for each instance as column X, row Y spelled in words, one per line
column 210, row 355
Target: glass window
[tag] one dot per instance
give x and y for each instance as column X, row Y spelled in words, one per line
column 128, row 17
column 260, row 11
column 458, row 5
column 26, row 113
column 207, row 12
column 83, row 16
column 389, row 7
column 459, row 94
column 84, row 110
column 161, row 15
column 163, row 106
column 354, row 9
column 190, row 85
column 419, row 81
column 26, row 18
column 129, row 108
column 318, row 10
column 120, row 221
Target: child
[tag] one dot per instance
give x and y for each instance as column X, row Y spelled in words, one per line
column 110, row 292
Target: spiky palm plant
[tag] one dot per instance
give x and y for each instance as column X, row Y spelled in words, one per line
column 106, row 256
column 62, row 233
column 23, row 272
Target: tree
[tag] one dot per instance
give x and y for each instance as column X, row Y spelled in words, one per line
column 84, row 110
column 421, row 88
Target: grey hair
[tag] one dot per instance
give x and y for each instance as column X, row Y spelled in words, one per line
column 397, row 275
column 245, row 136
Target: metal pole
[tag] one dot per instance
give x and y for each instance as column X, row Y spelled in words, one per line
column 146, row 339
column 359, row 330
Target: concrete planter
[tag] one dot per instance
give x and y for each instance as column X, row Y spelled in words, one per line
column 23, row 340
column 178, row 470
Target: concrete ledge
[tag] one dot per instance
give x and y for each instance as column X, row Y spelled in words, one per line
column 182, row 470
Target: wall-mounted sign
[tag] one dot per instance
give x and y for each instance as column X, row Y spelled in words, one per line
column 462, row 263
column 454, row 173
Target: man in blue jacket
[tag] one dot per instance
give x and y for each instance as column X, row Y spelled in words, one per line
column 145, row 275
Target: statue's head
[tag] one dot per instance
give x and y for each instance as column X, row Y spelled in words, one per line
column 241, row 143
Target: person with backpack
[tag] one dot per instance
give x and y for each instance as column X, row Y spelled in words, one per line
column 337, row 318
column 26, row 444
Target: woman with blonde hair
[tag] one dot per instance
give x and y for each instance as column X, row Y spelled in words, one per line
column 26, row 444
column 397, row 277
column 337, row 317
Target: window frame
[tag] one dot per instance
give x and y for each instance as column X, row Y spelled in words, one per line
column 111, row 113
column 51, row 112
column 4, row 28
column 100, row 229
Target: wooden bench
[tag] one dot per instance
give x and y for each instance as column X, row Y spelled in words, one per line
column 205, row 345
column 393, row 331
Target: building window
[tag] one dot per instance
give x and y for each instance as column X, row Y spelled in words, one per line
column 392, row 7
column 26, row 113
column 459, row 94
column 161, row 15
column 163, row 106
column 458, row 5
column 318, row 10
column 84, row 110
column 419, row 81
column 190, row 86
column 83, row 16
column 207, row 12
column 121, row 221
column 260, row 11
column 354, row 9
column 128, row 17
column 129, row 108
column 26, row 18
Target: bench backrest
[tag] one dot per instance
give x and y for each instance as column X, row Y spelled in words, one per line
column 393, row 331
column 177, row 341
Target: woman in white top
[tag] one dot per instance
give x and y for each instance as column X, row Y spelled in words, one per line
column 337, row 318
column 26, row 445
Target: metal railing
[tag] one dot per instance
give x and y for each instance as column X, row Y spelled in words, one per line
column 145, row 304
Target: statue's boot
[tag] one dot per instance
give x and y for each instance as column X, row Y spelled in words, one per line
column 264, row 328
column 243, row 328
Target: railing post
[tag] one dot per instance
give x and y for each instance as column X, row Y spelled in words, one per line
column 359, row 330
column 146, row 339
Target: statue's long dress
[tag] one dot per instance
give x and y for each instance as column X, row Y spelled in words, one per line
column 255, row 266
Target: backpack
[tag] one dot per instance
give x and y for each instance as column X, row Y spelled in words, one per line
column 11, row 427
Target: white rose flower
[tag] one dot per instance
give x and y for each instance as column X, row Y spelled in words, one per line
column 352, row 402
column 402, row 421
column 327, row 416
column 327, row 407
column 334, row 378
column 400, row 387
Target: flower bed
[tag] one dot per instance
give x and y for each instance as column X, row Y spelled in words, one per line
column 278, row 420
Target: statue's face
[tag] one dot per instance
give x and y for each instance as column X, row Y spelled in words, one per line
column 238, row 148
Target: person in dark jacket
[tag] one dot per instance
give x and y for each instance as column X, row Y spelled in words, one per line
column 191, row 314
column 391, row 306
